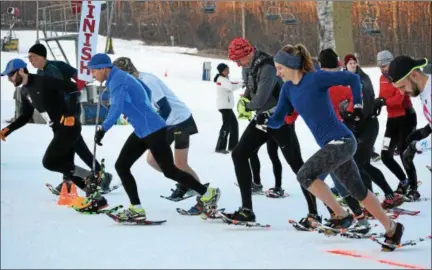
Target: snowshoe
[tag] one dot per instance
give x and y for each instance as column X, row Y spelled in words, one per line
column 276, row 192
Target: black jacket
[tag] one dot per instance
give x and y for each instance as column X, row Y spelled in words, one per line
column 46, row 94
column 368, row 93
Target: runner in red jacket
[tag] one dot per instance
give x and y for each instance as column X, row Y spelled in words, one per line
column 401, row 122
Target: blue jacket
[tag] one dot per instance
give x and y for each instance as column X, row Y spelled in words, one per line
column 129, row 97
column 310, row 98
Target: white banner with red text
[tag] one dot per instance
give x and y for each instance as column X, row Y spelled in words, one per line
column 88, row 37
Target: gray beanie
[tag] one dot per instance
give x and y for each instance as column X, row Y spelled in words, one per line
column 384, row 58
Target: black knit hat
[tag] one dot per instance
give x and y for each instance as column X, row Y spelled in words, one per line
column 329, row 59
column 402, row 66
column 221, row 67
column 38, row 49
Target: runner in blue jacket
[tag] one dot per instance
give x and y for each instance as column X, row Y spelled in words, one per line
column 130, row 97
column 307, row 93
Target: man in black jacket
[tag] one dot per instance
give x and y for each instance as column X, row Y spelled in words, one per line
column 262, row 87
column 61, row 70
column 46, row 95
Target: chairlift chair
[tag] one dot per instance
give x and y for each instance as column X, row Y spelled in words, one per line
column 208, row 6
column 371, row 27
column 273, row 14
column 288, row 18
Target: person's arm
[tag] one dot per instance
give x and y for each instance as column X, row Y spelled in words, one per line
column 326, row 79
column 227, row 84
column 266, row 82
column 26, row 110
column 117, row 103
column 163, row 106
column 157, row 97
column 284, row 107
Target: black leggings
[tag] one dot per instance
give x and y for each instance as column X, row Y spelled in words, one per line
column 397, row 130
column 157, row 143
column 59, row 155
column 84, row 153
column 229, row 129
column 366, row 137
column 272, row 150
column 251, row 140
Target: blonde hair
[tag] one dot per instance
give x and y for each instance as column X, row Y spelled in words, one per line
column 306, row 58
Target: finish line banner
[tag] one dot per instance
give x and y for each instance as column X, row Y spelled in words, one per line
column 88, row 37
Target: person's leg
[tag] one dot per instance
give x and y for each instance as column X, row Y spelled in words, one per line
column 251, row 140
column 234, row 131
column 350, row 178
column 132, row 150
column 272, row 150
column 181, row 152
column 163, row 155
column 326, row 160
column 84, row 153
column 352, row 203
column 170, row 139
column 390, row 141
column 408, row 163
column 255, row 167
column 221, row 144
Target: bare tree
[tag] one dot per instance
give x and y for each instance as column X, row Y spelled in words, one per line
column 325, row 24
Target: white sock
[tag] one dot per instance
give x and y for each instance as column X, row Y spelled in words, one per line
column 138, row 206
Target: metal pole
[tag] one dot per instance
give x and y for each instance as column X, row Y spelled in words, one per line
column 243, row 20
column 37, row 21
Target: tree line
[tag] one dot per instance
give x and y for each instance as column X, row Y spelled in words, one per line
column 405, row 25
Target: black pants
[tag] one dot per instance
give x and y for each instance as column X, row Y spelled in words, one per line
column 157, row 143
column 84, row 153
column 229, row 129
column 366, row 137
column 251, row 140
column 397, row 130
column 59, row 156
column 272, row 151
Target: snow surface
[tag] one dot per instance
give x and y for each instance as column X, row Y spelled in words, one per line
column 36, row 233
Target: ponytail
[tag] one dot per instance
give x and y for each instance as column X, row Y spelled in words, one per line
column 307, row 64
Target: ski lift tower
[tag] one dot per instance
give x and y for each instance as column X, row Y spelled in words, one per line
column 10, row 42
column 58, row 23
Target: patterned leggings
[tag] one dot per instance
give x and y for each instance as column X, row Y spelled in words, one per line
column 337, row 157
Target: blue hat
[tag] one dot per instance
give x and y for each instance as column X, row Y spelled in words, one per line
column 99, row 61
column 14, row 65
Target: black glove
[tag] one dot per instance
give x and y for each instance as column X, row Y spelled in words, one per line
column 378, row 103
column 348, row 120
column 419, row 134
column 262, row 118
column 100, row 133
column 358, row 114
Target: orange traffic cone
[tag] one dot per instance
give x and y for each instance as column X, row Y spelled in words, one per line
column 75, row 199
column 64, row 196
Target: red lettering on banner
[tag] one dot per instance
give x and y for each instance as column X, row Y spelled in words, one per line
column 87, row 39
column 88, row 29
